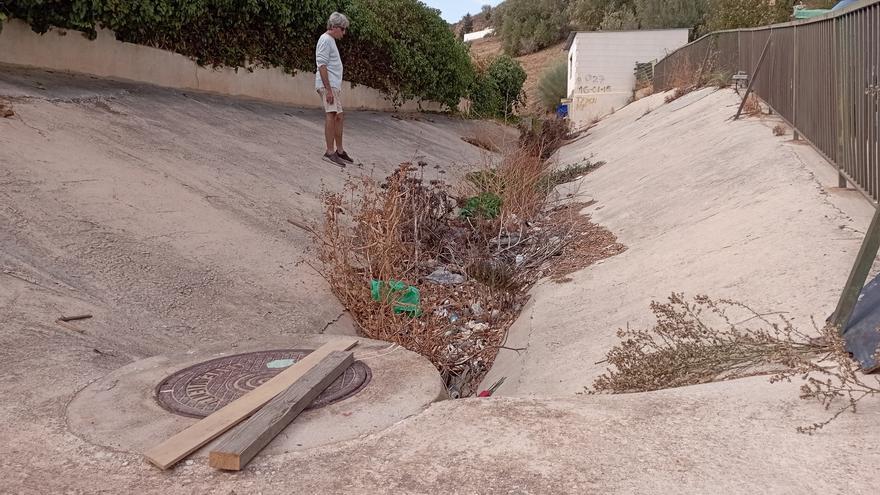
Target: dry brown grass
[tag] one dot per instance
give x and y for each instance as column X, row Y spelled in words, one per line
column 686, row 77
column 481, row 137
column 522, row 178
column 752, row 105
column 675, row 94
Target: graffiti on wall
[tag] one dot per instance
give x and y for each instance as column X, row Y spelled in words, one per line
column 583, row 102
column 591, row 83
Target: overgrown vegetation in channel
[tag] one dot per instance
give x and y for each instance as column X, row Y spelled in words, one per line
column 444, row 269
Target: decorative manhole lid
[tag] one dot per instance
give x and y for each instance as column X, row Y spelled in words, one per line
column 203, row 388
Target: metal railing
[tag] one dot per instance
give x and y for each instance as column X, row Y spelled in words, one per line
column 821, row 75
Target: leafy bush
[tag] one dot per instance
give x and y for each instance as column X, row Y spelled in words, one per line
column 401, row 47
column 553, row 85
column 733, row 14
column 530, row 25
column 498, row 89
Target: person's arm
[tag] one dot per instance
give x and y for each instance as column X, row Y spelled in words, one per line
column 322, row 58
column 325, row 80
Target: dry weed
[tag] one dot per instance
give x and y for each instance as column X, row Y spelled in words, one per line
column 6, row 110
column 752, row 105
column 675, row 94
column 779, row 130
column 483, row 138
column 835, row 381
column 707, row 340
column 699, row 342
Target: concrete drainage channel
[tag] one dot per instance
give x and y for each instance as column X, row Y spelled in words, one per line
column 138, row 406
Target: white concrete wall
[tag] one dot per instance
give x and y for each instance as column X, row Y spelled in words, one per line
column 69, row 51
column 572, row 73
column 477, row 35
column 601, row 78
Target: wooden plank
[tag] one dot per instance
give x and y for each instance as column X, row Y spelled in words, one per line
column 754, row 76
column 243, row 442
column 859, row 273
column 167, row 453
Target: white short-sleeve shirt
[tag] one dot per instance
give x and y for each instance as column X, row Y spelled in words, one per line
column 327, row 54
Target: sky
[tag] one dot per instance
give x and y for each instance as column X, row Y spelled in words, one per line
column 454, row 10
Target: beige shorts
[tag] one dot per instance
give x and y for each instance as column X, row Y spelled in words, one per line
column 337, row 100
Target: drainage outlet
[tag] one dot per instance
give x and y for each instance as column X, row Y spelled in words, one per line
column 203, row 388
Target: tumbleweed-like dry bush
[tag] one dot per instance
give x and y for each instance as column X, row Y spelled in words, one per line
column 710, row 340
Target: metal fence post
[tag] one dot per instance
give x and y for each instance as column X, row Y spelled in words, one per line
column 794, row 86
column 838, row 89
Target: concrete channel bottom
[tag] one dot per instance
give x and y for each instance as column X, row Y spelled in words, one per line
column 121, row 411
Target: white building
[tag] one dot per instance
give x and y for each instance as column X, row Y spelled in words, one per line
column 478, row 35
column 601, row 67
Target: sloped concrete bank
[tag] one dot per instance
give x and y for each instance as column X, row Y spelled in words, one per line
column 705, row 205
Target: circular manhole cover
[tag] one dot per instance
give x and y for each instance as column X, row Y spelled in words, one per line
column 203, row 388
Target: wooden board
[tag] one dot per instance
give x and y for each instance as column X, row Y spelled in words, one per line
column 167, row 453
column 243, row 442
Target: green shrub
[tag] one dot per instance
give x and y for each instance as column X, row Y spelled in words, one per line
column 498, row 90
column 553, row 85
column 401, row 47
column 484, row 205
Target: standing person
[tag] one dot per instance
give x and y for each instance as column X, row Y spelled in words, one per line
column 328, row 83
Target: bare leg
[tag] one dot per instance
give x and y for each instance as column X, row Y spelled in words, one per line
column 340, row 121
column 330, row 130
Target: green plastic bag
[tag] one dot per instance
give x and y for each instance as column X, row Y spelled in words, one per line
column 405, row 297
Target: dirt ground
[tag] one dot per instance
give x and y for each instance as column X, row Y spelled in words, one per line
column 165, row 216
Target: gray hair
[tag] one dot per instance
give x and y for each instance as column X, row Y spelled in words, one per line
column 337, row 20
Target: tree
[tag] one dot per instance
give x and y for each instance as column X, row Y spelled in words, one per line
column 498, row 90
column 734, row 14
column 530, row 25
column 467, row 23
column 486, row 10
column 657, row 14
column 618, row 20
column 588, row 15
